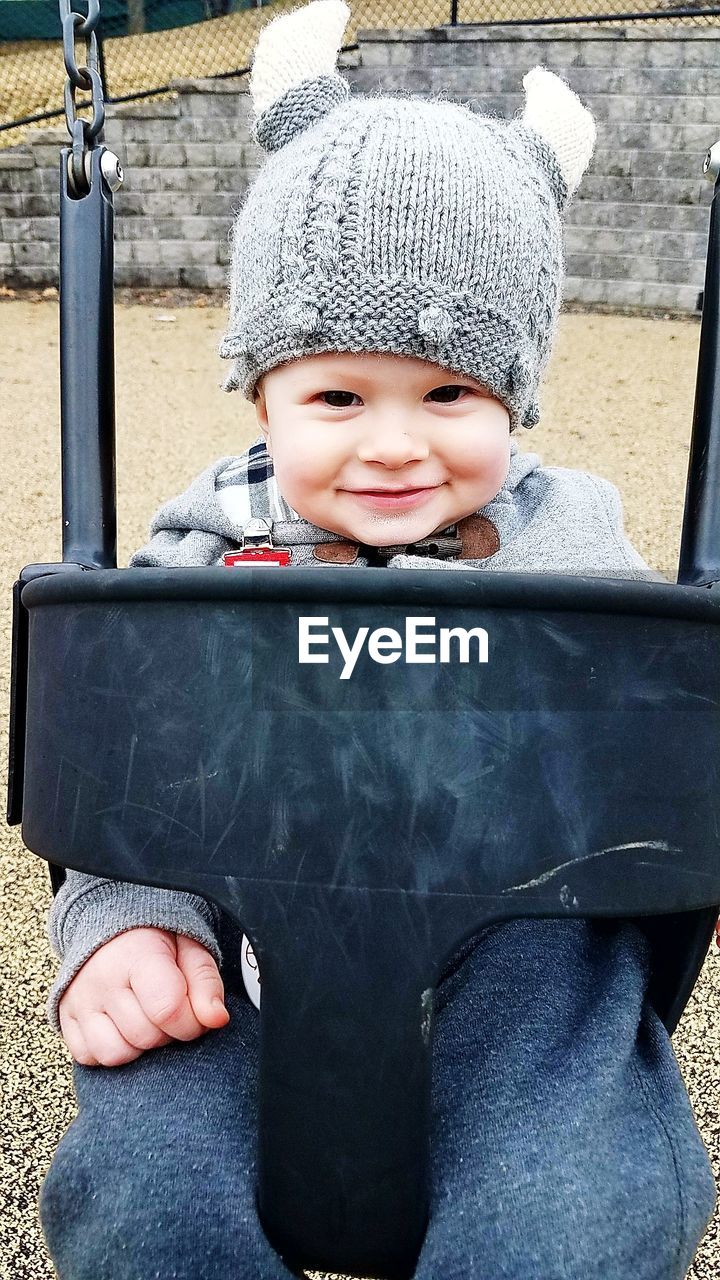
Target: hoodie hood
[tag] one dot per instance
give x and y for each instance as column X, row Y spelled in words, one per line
column 547, row 519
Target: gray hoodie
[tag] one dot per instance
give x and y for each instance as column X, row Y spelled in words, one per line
column 545, row 519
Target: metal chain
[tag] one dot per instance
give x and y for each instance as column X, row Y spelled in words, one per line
column 86, row 78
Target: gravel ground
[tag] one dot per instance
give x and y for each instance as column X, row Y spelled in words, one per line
column 618, row 401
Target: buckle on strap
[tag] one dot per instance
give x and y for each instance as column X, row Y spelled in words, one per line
column 441, row 546
column 257, row 533
column 257, row 547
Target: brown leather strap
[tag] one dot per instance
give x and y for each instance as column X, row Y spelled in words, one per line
column 480, row 537
column 336, row 552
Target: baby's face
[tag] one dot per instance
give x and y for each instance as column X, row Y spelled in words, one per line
column 344, row 429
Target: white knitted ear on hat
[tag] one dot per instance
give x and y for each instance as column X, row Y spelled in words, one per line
column 296, row 46
column 558, row 115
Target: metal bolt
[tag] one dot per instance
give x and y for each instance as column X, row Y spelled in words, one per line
column 111, row 170
column 711, row 163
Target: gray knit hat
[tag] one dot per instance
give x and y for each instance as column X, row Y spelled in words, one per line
column 404, row 225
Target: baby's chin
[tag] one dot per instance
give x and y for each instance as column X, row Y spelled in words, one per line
column 387, row 532
column 378, row 528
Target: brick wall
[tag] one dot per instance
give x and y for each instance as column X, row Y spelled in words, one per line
column 636, row 231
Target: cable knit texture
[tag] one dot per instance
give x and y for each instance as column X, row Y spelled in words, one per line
column 397, row 224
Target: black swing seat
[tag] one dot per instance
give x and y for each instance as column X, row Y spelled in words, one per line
column 558, row 759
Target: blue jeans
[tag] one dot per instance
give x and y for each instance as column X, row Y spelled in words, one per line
column 563, row 1142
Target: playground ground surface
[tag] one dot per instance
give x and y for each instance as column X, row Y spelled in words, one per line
column 617, row 401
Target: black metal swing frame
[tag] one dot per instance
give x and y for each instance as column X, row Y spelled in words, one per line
column 575, row 772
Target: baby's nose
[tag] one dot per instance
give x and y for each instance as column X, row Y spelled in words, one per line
column 392, row 446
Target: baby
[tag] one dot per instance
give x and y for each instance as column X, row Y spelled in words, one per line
column 394, row 290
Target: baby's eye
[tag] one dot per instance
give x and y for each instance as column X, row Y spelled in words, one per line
column 334, row 405
column 453, row 387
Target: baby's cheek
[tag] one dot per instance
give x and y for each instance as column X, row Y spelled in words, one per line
column 487, row 466
column 294, row 477
column 494, row 459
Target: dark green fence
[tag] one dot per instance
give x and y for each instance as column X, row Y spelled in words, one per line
column 39, row 19
column 145, row 44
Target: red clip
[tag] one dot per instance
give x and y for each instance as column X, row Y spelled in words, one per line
column 258, row 547
column 276, row 557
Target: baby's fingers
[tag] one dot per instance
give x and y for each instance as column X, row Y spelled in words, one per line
column 204, row 984
column 104, row 1045
column 162, row 994
column 75, row 1040
column 132, row 1023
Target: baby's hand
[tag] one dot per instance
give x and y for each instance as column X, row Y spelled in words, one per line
column 140, row 990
